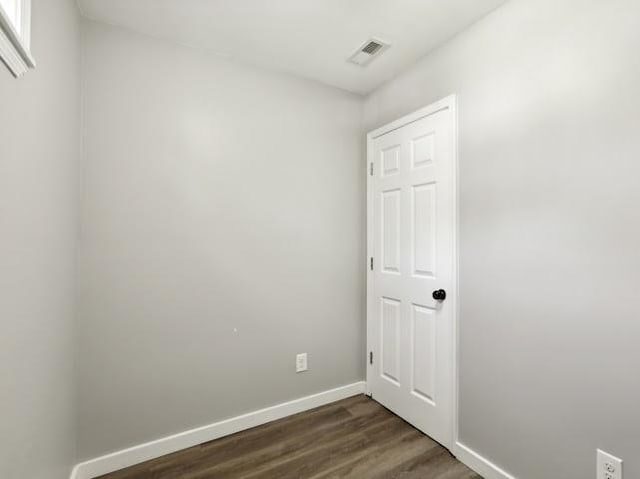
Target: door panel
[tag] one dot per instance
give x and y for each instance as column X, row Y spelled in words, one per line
column 423, row 360
column 423, row 226
column 391, row 160
column 390, row 236
column 422, row 149
column 390, row 341
column 411, row 241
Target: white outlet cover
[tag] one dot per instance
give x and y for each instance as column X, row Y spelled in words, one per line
column 301, row 362
column 609, row 466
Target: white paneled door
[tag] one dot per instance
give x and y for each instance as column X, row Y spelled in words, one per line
column 411, row 281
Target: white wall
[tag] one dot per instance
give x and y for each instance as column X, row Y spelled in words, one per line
column 223, row 232
column 39, row 152
column 179, row 218
column 549, row 118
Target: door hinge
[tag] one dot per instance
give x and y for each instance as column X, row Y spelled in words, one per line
column 371, row 263
column 370, row 357
column 371, row 169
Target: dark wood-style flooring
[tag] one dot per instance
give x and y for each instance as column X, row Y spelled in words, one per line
column 355, row 438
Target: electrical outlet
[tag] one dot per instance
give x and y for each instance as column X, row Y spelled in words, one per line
column 301, row 362
column 609, row 467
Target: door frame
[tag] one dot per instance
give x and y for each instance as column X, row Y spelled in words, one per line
column 449, row 102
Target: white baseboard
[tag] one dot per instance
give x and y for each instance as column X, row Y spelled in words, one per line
column 479, row 464
column 160, row 447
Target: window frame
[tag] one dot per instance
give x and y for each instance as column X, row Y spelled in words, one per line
column 15, row 48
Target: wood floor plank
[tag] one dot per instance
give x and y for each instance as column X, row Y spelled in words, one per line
column 351, row 439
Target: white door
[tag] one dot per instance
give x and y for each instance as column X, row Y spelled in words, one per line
column 412, row 255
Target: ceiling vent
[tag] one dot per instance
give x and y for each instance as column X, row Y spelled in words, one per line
column 369, row 50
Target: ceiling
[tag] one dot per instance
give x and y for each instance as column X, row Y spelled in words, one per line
column 308, row 38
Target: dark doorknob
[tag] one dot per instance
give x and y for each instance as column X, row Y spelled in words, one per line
column 440, row 295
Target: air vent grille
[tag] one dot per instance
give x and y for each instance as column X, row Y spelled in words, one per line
column 369, row 50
